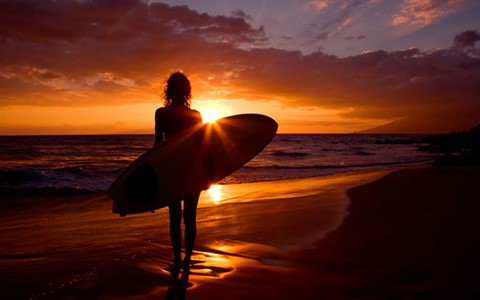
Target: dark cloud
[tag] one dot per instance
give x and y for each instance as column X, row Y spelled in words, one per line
column 241, row 14
column 79, row 40
column 467, row 39
column 378, row 84
column 355, row 37
column 286, row 37
column 321, row 36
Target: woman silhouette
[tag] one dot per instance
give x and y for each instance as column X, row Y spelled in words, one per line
column 175, row 117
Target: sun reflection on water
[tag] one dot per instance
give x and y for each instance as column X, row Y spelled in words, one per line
column 215, row 192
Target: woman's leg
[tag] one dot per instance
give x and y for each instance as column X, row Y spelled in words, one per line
column 175, row 213
column 190, row 219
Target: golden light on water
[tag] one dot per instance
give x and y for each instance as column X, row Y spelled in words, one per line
column 215, row 192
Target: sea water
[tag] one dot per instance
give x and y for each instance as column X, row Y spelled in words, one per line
column 90, row 163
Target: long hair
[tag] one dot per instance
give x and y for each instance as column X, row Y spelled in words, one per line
column 177, row 90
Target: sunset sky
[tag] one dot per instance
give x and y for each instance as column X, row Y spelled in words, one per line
column 325, row 66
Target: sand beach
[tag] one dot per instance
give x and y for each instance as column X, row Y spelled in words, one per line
column 395, row 234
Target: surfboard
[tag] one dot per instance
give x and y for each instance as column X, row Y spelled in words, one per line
column 190, row 162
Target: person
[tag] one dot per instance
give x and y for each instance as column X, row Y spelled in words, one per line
column 175, row 117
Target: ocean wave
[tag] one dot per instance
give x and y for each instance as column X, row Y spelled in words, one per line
column 67, row 180
column 340, row 165
column 291, row 154
column 45, row 191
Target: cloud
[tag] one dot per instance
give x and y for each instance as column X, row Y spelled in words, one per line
column 421, row 13
column 334, row 17
column 321, row 36
column 70, row 53
column 241, row 14
column 78, row 41
column 443, row 85
column 356, row 37
column 467, row 39
column 318, row 4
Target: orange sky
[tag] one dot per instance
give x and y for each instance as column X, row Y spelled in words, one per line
column 99, row 67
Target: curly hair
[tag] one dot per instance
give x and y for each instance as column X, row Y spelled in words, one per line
column 177, row 90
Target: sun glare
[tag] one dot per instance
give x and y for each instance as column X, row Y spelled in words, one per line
column 210, row 116
column 215, row 192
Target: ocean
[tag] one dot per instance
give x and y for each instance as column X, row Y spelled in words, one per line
column 43, row 165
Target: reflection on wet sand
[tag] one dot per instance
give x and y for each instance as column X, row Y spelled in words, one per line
column 246, row 233
column 215, row 194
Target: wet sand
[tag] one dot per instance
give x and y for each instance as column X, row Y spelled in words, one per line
column 412, row 234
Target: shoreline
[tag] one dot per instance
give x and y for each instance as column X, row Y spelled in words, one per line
column 295, row 238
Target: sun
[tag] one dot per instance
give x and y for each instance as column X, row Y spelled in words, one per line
column 210, row 115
